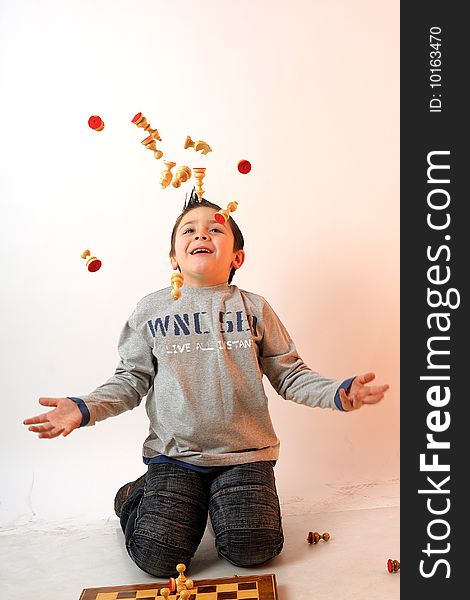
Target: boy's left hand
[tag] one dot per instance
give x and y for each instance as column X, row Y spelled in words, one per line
column 360, row 393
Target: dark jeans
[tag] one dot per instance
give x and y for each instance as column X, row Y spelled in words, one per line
column 164, row 523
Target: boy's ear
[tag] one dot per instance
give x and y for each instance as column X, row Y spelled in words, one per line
column 174, row 262
column 238, row 259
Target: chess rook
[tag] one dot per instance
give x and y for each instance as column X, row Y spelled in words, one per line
column 141, row 121
column 199, row 174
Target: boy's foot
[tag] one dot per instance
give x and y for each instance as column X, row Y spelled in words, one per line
column 125, row 491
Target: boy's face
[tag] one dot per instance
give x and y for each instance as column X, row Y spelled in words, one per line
column 204, row 249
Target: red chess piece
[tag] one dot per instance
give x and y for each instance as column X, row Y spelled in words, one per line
column 393, row 566
column 96, row 123
column 244, row 166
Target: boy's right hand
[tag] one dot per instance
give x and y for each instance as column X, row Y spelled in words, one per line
column 65, row 417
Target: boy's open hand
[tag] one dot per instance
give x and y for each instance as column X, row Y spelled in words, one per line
column 360, row 393
column 65, row 417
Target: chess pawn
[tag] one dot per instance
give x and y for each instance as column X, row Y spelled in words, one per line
column 165, row 592
column 177, row 279
column 222, row 216
column 151, row 144
column 141, row 121
column 393, row 566
column 167, row 175
column 314, row 537
column 185, row 594
column 182, row 175
column 92, row 263
column 199, row 174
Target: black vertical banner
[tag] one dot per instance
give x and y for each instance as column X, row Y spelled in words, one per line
column 435, row 258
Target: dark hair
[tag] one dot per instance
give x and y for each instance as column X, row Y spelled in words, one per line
column 238, row 241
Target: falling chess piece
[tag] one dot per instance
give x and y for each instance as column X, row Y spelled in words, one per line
column 95, row 122
column 177, row 280
column 197, row 145
column 244, row 166
column 393, row 566
column 151, row 144
column 182, row 175
column 199, row 174
column 92, row 263
column 167, row 175
column 141, row 121
column 222, row 216
column 314, row 537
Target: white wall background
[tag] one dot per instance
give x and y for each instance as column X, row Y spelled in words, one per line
column 308, row 91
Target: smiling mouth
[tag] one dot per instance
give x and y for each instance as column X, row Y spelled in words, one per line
column 200, row 251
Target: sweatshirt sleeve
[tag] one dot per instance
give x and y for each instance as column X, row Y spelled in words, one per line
column 131, row 381
column 288, row 374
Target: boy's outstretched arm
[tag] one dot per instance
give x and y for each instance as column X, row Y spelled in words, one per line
column 360, row 393
column 62, row 420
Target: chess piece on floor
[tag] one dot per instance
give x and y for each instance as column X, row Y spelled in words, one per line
column 92, row 263
column 314, row 537
column 177, row 280
column 182, row 175
column 393, row 566
column 199, row 174
column 222, row 216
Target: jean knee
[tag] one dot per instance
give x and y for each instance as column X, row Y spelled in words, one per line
column 156, row 558
column 248, row 548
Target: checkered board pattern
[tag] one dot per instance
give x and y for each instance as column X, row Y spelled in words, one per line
column 256, row 587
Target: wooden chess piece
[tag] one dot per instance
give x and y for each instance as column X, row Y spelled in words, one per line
column 314, row 537
column 197, row 145
column 92, row 263
column 177, row 280
column 95, row 122
column 141, row 121
column 222, row 216
column 167, row 175
column 151, row 144
column 393, row 566
column 199, row 174
column 165, row 592
column 244, row 166
column 182, row 175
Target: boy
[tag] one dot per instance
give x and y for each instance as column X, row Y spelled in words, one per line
column 211, row 446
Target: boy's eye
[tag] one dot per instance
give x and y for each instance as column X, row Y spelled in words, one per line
column 215, row 229
column 188, row 230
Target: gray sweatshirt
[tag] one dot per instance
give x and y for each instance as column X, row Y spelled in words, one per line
column 200, row 362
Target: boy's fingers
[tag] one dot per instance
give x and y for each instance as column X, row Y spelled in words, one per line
column 38, row 419
column 372, row 398
column 48, row 401
column 41, row 428
column 366, row 377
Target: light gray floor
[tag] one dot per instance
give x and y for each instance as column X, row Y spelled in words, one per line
column 41, row 561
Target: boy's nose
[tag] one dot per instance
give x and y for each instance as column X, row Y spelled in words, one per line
column 201, row 236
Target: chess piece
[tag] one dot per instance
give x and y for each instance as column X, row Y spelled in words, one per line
column 244, row 166
column 314, row 537
column 393, row 566
column 199, row 174
column 182, row 175
column 165, row 592
column 222, row 216
column 167, row 175
column 151, row 144
column 177, row 280
column 197, row 145
column 92, row 263
column 96, row 123
column 141, row 121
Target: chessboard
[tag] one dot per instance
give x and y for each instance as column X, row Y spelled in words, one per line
column 254, row 587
